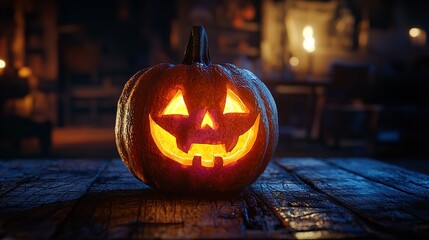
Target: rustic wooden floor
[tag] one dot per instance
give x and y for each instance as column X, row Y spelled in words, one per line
column 295, row 198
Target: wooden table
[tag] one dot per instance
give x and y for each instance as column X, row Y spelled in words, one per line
column 294, row 198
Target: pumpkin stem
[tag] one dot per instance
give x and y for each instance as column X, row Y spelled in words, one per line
column 197, row 50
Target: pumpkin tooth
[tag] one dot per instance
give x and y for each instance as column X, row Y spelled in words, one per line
column 196, row 162
column 183, row 144
column 230, row 143
column 218, row 161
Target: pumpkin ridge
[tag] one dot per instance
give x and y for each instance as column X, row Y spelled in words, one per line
column 140, row 86
column 120, row 144
column 271, row 110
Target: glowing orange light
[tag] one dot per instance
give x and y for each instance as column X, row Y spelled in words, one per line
column 166, row 143
column 24, row 72
column 233, row 103
column 207, row 121
column 176, row 106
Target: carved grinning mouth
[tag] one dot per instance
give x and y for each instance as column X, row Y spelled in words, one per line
column 167, row 144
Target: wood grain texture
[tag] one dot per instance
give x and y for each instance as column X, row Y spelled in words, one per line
column 413, row 183
column 305, row 212
column 16, row 172
column 119, row 206
column 114, row 192
column 61, row 180
column 36, row 207
column 381, row 205
column 294, row 198
column 259, row 219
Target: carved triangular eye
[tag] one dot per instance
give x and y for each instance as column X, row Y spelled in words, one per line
column 233, row 103
column 176, row 106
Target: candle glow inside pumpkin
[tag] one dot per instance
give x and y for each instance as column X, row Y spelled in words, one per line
column 167, row 143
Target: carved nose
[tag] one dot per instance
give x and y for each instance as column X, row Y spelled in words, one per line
column 207, row 121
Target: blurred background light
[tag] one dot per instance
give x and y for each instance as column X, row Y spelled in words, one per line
column 293, row 61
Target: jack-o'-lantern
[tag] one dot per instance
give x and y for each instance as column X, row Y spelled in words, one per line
column 196, row 126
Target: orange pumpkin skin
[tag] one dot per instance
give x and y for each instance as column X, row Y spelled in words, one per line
column 204, row 87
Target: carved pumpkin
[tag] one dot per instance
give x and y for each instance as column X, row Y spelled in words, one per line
column 196, row 126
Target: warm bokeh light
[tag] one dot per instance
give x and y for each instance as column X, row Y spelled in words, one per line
column 307, row 32
column 167, row 144
column 309, row 42
column 309, row 235
column 417, row 37
column 415, row 32
column 24, row 72
column 293, row 61
column 2, row 63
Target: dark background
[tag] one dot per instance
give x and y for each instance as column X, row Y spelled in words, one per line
column 81, row 53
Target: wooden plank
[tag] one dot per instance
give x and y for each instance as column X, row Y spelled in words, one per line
column 119, row 207
column 305, row 212
column 146, row 213
column 413, row 183
column 191, row 217
column 63, row 180
column 312, row 199
column 116, row 177
column 16, row 172
column 259, row 220
column 36, row 208
column 115, row 194
column 391, row 210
